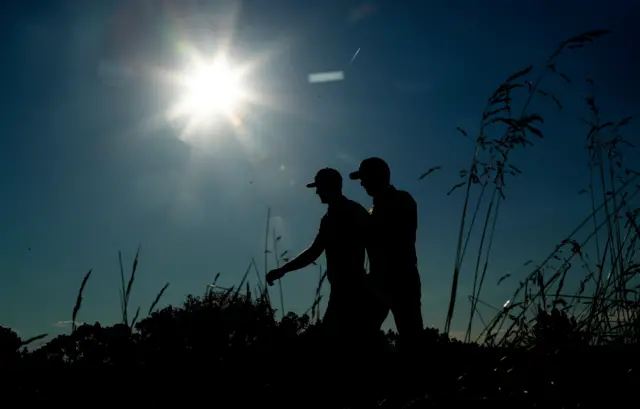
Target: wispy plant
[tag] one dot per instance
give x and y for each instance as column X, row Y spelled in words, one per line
column 157, row 299
column 266, row 256
column 79, row 298
column 490, row 161
column 604, row 307
column 125, row 291
column 277, row 257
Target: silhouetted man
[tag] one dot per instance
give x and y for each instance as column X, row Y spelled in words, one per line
column 394, row 272
column 342, row 234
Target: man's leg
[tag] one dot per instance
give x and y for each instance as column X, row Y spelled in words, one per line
column 346, row 330
column 406, row 306
column 359, row 359
column 376, row 306
column 406, row 309
column 330, row 321
column 335, row 343
column 407, row 315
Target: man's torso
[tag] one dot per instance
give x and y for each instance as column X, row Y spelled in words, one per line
column 343, row 231
column 394, row 227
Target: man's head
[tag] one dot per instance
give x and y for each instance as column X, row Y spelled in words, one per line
column 328, row 184
column 374, row 176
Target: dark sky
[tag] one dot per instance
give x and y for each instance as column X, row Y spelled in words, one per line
column 91, row 163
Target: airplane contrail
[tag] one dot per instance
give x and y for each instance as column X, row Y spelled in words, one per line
column 331, row 75
column 354, row 57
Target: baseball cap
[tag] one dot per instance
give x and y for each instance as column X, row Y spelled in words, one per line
column 371, row 167
column 327, row 177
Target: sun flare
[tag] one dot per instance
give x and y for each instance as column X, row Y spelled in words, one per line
column 209, row 91
column 213, row 96
column 212, row 88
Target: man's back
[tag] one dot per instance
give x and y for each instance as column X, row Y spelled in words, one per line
column 394, row 223
column 394, row 276
column 343, row 231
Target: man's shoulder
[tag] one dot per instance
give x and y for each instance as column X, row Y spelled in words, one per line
column 356, row 208
column 403, row 197
column 324, row 220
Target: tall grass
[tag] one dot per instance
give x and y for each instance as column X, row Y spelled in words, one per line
column 270, row 247
column 604, row 307
column 79, row 298
column 124, row 292
column 490, row 165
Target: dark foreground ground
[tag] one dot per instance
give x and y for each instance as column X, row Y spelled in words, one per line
column 234, row 354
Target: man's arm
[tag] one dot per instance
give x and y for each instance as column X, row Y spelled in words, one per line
column 302, row 260
column 305, row 258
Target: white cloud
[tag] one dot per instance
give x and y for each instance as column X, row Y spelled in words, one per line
column 65, row 324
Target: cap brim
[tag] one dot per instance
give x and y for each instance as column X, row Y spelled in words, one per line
column 355, row 175
column 314, row 184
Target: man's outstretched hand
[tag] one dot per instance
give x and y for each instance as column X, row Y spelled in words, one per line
column 274, row 275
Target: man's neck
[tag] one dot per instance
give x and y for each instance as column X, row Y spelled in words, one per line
column 335, row 201
column 383, row 193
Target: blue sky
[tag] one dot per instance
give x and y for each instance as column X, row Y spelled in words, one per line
column 90, row 164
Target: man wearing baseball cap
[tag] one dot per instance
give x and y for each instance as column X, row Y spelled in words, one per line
column 394, row 272
column 342, row 235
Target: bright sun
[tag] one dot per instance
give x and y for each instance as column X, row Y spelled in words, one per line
column 210, row 89
column 213, row 87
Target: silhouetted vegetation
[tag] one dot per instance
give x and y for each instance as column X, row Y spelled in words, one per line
column 548, row 345
column 230, row 350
